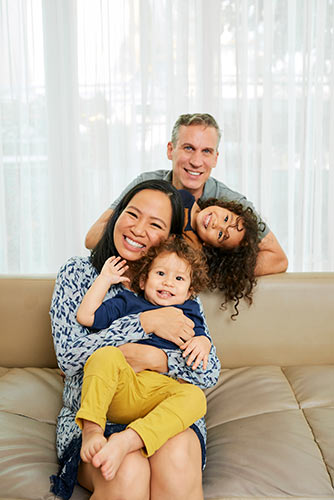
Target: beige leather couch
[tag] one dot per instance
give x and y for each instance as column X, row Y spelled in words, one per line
column 270, row 418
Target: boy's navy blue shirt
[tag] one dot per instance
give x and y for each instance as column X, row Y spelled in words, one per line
column 127, row 302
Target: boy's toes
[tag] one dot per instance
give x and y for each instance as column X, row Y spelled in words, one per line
column 83, row 456
column 108, row 474
column 96, row 461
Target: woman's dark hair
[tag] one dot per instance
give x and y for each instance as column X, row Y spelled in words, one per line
column 174, row 244
column 232, row 270
column 106, row 247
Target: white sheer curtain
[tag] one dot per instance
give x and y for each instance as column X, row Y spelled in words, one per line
column 89, row 91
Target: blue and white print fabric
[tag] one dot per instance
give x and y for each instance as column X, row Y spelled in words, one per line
column 74, row 344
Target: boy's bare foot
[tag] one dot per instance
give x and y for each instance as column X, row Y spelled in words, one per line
column 92, row 440
column 110, row 457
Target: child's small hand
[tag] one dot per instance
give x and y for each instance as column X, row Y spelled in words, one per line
column 198, row 349
column 113, row 269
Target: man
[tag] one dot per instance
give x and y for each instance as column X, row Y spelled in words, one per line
column 193, row 150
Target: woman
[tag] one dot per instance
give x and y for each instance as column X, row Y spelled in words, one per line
column 146, row 215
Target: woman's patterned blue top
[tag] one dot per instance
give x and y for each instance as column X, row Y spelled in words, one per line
column 74, row 344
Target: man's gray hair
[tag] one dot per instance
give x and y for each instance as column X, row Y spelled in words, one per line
column 194, row 119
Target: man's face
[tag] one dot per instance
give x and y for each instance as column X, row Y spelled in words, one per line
column 194, row 156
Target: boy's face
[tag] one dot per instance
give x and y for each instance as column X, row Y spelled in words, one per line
column 168, row 281
column 219, row 227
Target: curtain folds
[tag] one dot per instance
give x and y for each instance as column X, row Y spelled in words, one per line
column 90, row 90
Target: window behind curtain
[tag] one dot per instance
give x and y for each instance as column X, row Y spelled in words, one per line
column 89, row 92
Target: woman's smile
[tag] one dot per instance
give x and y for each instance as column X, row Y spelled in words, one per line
column 133, row 243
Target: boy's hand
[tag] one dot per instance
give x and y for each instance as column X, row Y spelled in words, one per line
column 198, row 349
column 113, row 269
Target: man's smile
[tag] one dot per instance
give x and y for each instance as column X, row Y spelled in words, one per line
column 193, row 172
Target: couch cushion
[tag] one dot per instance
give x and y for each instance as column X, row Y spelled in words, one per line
column 29, row 404
column 27, row 456
column 261, row 443
column 32, row 392
column 270, row 434
column 25, row 333
column 290, row 322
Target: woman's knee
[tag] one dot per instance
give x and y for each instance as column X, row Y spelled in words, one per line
column 133, row 476
column 177, row 453
column 181, row 459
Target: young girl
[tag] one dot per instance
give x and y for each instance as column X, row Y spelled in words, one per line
column 229, row 235
column 155, row 406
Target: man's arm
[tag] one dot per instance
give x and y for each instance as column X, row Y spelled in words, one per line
column 95, row 232
column 271, row 258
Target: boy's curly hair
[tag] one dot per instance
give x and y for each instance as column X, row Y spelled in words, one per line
column 232, row 270
column 173, row 244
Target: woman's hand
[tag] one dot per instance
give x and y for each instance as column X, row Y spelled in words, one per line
column 168, row 323
column 144, row 357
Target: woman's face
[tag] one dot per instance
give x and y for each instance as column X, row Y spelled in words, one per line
column 144, row 223
column 219, row 227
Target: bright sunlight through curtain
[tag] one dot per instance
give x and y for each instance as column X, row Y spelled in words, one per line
column 89, row 91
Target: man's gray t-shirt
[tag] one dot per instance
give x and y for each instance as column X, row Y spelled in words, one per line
column 212, row 189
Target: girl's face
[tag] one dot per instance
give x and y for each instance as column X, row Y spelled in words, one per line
column 219, row 227
column 168, row 281
column 145, row 222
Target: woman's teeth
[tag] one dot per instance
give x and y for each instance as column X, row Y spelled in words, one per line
column 134, row 243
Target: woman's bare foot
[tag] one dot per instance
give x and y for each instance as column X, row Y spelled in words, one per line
column 92, row 440
column 110, row 457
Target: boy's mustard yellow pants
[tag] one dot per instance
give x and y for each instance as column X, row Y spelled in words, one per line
column 157, row 407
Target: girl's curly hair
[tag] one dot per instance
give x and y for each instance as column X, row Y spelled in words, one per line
column 232, row 270
column 173, row 244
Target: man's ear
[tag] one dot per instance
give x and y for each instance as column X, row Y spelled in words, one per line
column 170, row 149
column 217, row 154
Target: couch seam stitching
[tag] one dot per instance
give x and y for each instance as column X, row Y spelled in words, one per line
column 311, row 430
